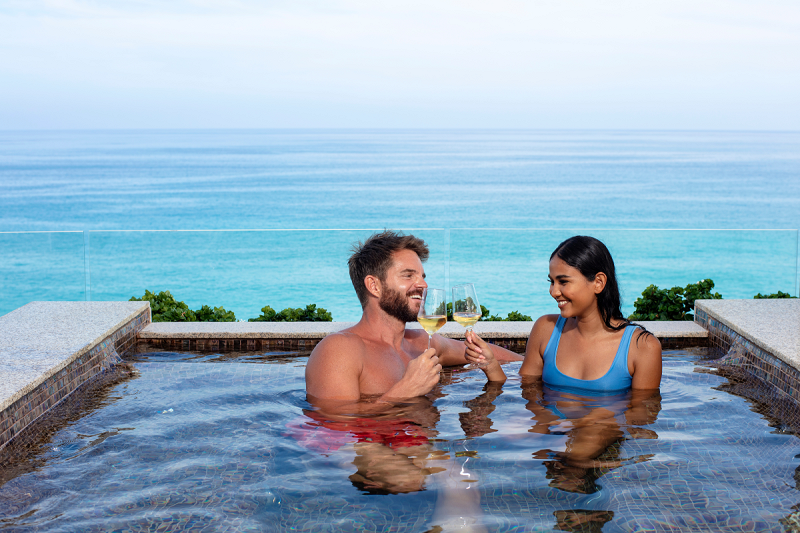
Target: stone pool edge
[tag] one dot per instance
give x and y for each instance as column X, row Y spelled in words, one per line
column 764, row 335
column 30, row 346
column 303, row 336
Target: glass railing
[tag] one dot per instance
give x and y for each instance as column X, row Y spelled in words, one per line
column 245, row 270
column 242, row 271
column 742, row 263
column 41, row 266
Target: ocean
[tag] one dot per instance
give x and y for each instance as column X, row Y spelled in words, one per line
column 248, row 218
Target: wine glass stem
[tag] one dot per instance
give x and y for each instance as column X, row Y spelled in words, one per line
column 429, row 340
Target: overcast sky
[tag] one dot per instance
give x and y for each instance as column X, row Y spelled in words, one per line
column 674, row 64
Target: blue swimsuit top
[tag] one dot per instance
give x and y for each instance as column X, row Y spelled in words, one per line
column 617, row 378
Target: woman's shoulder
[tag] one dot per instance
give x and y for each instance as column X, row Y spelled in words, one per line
column 547, row 319
column 644, row 342
column 544, row 325
column 537, row 341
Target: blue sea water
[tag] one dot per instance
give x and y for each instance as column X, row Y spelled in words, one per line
column 492, row 204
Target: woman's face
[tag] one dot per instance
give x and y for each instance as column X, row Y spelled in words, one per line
column 574, row 293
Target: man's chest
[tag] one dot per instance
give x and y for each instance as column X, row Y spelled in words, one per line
column 382, row 371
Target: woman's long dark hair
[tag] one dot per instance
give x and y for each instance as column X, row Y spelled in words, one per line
column 591, row 257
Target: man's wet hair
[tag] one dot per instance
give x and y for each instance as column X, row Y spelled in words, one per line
column 373, row 257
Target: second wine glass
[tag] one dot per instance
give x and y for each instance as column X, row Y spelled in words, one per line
column 466, row 309
column 432, row 314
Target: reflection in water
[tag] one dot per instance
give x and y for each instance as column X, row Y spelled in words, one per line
column 476, row 422
column 581, row 521
column 396, row 450
column 458, row 504
column 594, row 428
column 393, row 448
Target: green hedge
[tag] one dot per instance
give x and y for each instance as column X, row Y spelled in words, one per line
column 487, row 316
column 778, row 294
column 676, row 303
column 165, row 308
column 309, row 314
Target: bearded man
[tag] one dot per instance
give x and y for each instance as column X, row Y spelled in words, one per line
column 379, row 357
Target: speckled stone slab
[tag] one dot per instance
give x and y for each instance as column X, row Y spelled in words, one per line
column 772, row 325
column 41, row 338
column 318, row 330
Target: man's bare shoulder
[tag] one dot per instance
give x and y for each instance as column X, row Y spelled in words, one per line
column 334, row 367
column 345, row 343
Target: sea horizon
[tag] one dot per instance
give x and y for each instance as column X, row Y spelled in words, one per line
column 507, row 194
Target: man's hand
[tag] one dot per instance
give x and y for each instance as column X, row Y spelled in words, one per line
column 422, row 374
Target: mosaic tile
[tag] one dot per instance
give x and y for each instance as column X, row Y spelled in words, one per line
column 734, row 350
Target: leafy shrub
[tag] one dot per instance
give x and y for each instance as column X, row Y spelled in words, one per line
column 676, row 303
column 217, row 314
column 778, row 294
column 165, row 308
column 309, row 314
column 487, row 315
column 513, row 316
column 516, row 316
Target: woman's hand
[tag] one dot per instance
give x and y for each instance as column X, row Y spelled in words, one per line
column 479, row 353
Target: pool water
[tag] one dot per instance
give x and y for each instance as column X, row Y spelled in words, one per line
column 229, row 443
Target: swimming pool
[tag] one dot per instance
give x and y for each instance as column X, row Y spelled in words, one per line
column 216, row 443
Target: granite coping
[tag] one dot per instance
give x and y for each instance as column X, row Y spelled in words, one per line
column 41, row 338
column 318, row 330
column 771, row 324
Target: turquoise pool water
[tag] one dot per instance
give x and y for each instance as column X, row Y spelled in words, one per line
column 229, row 443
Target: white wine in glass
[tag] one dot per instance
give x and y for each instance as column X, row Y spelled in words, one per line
column 432, row 313
column 466, row 309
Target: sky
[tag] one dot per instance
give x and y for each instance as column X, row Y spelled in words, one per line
column 615, row 64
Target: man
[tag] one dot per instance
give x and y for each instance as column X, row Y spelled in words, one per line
column 379, row 357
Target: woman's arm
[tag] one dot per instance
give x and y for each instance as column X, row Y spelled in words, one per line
column 452, row 352
column 481, row 353
column 645, row 357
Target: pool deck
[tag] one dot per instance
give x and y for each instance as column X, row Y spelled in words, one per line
column 318, row 330
column 772, row 325
column 266, row 336
column 48, row 349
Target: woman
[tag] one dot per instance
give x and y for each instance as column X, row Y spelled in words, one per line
column 590, row 345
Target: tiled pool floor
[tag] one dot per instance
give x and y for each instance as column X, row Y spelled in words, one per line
column 229, row 445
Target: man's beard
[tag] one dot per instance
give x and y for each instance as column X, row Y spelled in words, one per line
column 395, row 304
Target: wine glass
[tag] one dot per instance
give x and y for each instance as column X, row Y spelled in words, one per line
column 466, row 309
column 432, row 313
